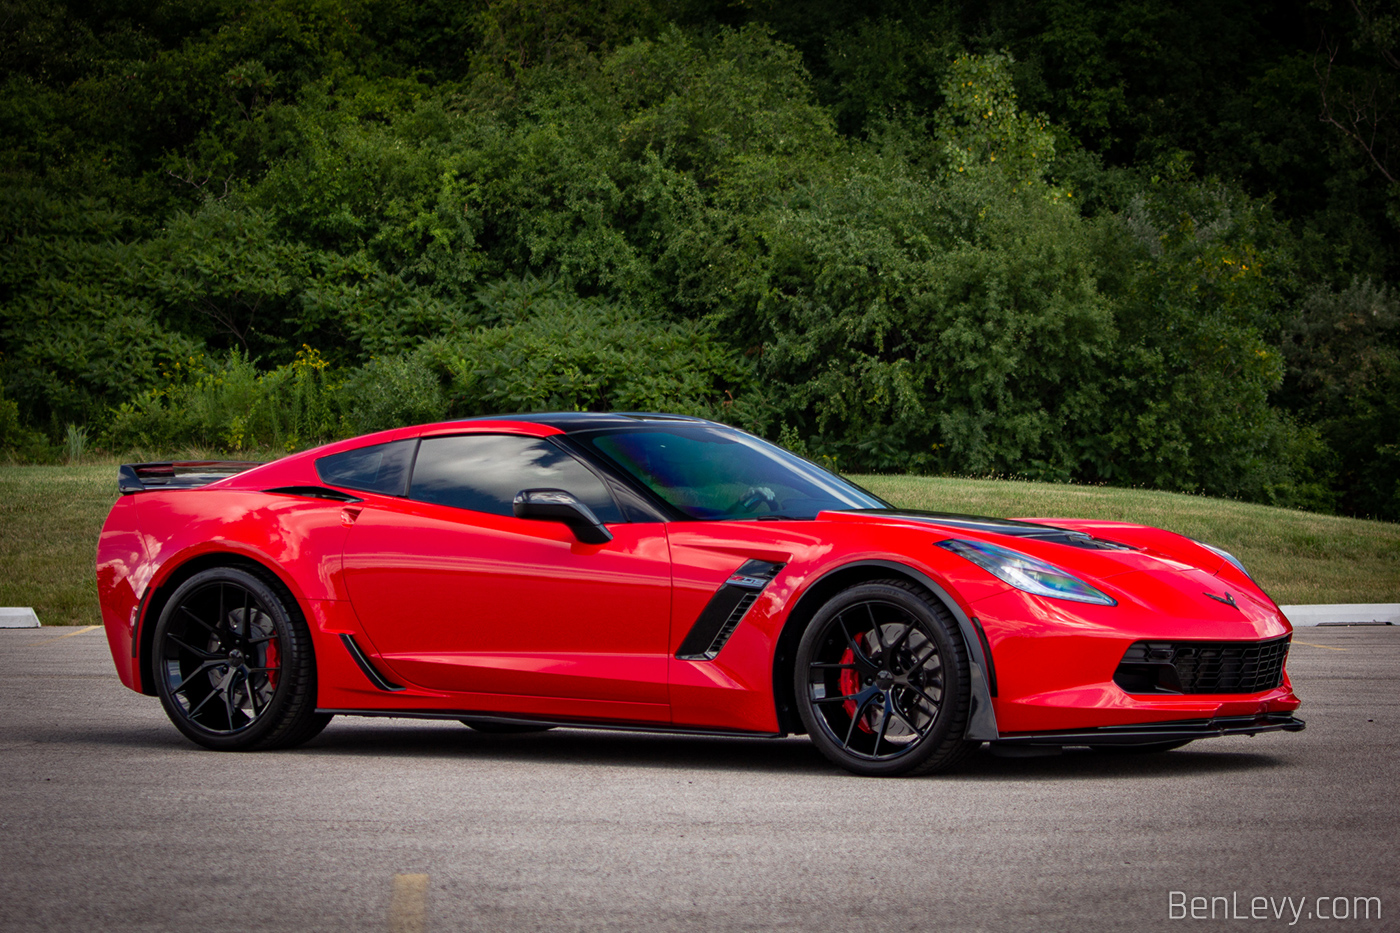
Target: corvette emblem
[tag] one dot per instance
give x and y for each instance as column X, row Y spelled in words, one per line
column 1227, row 599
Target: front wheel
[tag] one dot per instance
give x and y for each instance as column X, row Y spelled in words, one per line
column 883, row 681
column 233, row 663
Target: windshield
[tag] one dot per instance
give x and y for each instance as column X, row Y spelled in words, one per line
column 710, row 472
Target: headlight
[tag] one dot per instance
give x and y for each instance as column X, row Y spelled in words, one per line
column 1222, row 553
column 1027, row 573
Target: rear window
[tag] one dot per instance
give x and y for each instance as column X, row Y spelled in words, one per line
column 382, row 468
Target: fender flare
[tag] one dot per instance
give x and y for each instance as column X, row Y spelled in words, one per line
column 981, row 717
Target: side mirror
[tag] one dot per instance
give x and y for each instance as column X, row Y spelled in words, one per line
column 557, row 505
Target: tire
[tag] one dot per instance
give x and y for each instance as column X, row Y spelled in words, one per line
column 883, row 681
column 489, row 727
column 233, row 663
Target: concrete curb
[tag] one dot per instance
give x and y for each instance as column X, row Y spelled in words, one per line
column 1343, row 614
column 18, row 617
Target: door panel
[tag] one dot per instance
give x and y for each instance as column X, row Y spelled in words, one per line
column 460, row 600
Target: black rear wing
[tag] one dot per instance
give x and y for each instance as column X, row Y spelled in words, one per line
column 177, row 474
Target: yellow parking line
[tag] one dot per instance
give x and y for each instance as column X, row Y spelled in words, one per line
column 1311, row 645
column 88, row 628
column 407, row 904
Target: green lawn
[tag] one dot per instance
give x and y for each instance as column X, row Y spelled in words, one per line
column 49, row 521
column 50, row 518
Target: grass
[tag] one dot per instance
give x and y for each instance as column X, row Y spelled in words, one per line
column 50, row 517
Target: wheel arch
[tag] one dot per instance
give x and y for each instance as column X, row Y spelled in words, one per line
column 166, row 585
column 981, row 722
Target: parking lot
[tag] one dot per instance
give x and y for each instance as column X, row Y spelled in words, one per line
column 112, row 821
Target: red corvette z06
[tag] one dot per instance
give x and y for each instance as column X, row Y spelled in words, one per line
column 662, row 573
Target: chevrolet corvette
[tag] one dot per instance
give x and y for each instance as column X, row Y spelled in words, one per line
column 664, row 573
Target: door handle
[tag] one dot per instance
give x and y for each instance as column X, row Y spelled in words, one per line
column 348, row 516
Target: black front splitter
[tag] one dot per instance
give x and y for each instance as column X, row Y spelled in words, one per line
column 1157, row 732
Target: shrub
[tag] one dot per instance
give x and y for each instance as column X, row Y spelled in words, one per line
column 230, row 406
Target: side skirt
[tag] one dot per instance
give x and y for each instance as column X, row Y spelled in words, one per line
column 560, row 723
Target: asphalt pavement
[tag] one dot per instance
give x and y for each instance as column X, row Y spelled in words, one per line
column 110, row 820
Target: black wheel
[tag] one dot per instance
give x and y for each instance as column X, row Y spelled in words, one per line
column 233, row 663
column 1147, row 749
column 489, row 727
column 883, row 682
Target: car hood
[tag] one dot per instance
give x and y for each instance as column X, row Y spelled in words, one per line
column 1094, row 549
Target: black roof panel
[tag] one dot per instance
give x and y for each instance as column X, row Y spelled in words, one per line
column 569, row 421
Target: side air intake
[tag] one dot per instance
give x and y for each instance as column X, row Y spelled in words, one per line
column 726, row 609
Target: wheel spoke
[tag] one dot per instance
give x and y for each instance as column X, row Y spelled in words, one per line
column 884, row 724
column 907, row 720
column 190, row 612
column 902, row 639
column 247, row 620
column 819, row 666
column 228, row 701
column 197, row 652
column 252, row 693
column 875, row 629
column 869, row 694
column 862, row 661
column 262, row 639
column 932, row 653
column 207, row 697
column 195, row 673
column 223, row 619
column 853, row 696
column 936, row 704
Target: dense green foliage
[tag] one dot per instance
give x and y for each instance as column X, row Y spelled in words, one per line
column 1148, row 244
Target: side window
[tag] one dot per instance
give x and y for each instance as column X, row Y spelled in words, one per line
column 382, row 468
column 483, row 472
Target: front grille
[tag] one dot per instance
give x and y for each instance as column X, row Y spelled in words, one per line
column 1202, row 666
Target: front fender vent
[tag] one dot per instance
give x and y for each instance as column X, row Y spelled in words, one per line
column 726, row 609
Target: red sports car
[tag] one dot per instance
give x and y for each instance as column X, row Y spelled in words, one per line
column 662, row 573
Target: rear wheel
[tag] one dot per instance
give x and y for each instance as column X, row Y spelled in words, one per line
column 233, row 663
column 883, row 681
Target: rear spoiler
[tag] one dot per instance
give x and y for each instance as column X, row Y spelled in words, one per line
column 177, row 474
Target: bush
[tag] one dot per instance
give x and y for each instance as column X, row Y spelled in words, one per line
column 588, row 355
column 230, row 406
column 392, row 392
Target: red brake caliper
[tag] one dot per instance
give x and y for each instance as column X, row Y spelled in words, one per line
column 850, row 683
column 272, row 660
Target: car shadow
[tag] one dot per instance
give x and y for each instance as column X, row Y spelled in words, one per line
column 1087, row 764
column 349, row 737
column 793, row 755
column 590, row 747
